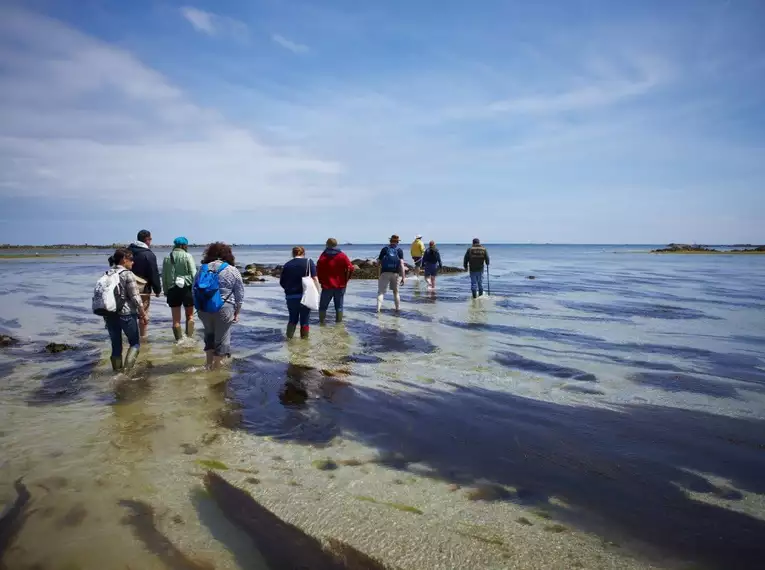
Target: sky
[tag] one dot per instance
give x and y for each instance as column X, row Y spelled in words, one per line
column 290, row 121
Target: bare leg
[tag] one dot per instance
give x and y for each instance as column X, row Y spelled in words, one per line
column 189, row 314
column 144, row 327
column 176, row 312
column 379, row 302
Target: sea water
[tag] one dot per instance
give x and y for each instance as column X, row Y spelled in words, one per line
column 608, row 413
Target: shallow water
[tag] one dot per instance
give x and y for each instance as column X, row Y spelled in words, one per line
column 612, row 409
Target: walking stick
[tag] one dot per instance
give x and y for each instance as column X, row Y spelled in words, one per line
column 488, row 282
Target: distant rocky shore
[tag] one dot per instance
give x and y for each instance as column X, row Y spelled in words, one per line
column 362, row 269
column 685, row 248
column 6, row 246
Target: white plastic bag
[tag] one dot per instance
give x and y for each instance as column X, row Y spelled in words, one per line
column 310, row 292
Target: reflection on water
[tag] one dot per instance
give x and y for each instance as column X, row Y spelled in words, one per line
column 613, row 407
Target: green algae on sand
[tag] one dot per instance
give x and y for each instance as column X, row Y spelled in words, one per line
column 212, row 464
column 324, row 464
column 397, row 506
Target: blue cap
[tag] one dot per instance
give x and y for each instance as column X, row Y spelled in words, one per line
column 181, row 241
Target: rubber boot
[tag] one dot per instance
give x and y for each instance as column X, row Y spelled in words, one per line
column 177, row 333
column 291, row 330
column 304, row 331
column 338, row 316
column 130, row 357
column 475, row 294
column 190, row 329
column 322, row 317
column 116, row 364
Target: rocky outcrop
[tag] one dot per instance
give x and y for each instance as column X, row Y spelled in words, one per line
column 56, row 347
column 682, row 248
column 362, row 269
column 685, row 248
column 6, row 340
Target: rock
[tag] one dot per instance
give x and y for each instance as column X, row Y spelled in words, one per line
column 6, row 340
column 55, row 347
column 530, row 277
column 682, row 247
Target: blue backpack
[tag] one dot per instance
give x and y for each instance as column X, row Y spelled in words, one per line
column 391, row 262
column 207, row 297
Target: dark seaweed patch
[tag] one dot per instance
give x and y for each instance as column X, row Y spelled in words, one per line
column 63, row 384
column 9, row 323
column 516, row 361
column 685, row 383
column 634, row 309
column 363, row 359
column 375, row 338
column 582, row 390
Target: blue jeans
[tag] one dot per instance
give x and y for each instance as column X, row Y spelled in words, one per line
column 118, row 324
column 476, row 281
column 327, row 295
column 298, row 312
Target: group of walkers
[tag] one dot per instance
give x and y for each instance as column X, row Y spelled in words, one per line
column 215, row 291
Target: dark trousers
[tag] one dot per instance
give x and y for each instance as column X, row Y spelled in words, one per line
column 118, row 324
column 298, row 312
column 336, row 295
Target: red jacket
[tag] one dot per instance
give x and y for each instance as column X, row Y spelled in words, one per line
column 334, row 269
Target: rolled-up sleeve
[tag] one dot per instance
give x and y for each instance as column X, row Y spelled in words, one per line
column 131, row 291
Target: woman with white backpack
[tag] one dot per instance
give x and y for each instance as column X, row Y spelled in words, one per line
column 118, row 300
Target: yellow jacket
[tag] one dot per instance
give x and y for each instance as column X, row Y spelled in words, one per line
column 418, row 248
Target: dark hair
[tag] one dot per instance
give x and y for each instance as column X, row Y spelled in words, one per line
column 298, row 250
column 143, row 235
column 476, row 241
column 432, row 243
column 120, row 254
column 331, row 242
column 218, row 251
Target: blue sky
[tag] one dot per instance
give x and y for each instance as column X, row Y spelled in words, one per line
column 285, row 121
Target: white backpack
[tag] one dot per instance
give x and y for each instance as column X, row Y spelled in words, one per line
column 107, row 296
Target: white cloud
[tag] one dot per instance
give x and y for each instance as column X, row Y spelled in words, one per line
column 214, row 24
column 289, row 44
column 84, row 120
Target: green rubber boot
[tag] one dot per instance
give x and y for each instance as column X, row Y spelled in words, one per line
column 338, row 316
column 177, row 333
column 130, row 358
column 322, row 317
column 291, row 330
column 116, row 364
column 190, row 329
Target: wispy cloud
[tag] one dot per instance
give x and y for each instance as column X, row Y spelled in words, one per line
column 214, row 24
column 287, row 44
column 144, row 139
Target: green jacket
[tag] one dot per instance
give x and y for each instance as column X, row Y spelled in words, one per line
column 178, row 265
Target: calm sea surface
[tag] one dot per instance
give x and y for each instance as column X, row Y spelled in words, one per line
column 609, row 413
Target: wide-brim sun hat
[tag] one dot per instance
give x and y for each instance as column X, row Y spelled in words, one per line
column 180, row 241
